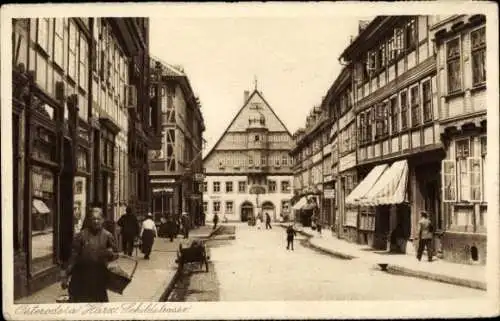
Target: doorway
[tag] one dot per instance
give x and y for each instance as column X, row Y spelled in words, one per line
column 247, row 211
column 268, row 208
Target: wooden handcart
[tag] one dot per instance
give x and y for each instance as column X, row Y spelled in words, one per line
column 196, row 253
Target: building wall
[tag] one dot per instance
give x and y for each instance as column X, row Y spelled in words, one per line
column 238, row 198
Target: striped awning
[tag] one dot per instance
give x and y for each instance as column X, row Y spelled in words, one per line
column 366, row 185
column 390, row 188
column 300, row 203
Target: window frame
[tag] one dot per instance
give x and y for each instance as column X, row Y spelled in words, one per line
column 229, row 187
column 456, row 58
column 427, row 114
column 228, row 210
column 475, row 50
column 404, row 111
column 414, row 106
column 394, row 110
column 216, row 187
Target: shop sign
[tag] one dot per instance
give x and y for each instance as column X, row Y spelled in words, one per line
column 329, row 193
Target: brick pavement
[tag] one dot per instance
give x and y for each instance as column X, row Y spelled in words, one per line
column 473, row 276
column 151, row 277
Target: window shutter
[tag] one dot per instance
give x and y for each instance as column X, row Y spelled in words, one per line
column 449, row 179
column 474, row 170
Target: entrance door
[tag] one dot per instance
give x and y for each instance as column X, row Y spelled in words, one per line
column 268, row 208
column 246, row 211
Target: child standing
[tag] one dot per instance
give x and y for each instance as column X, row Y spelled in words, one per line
column 290, row 234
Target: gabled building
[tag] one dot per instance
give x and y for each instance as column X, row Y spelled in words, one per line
column 176, row 152
column 249, row 171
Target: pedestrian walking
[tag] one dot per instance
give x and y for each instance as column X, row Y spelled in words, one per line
column 185, row 224
column 318, row 226
column 86, row 273
column 259, row 221
column 203, row 218
column 425, row 236
column 148, row 234
column 216, row 220
column 268, row 221
column 129, row 229
column 290, row 234
column 171, row 228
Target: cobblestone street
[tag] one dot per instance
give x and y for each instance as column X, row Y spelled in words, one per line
column 257, row 266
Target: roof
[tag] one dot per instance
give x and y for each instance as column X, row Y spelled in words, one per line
column 255, row 92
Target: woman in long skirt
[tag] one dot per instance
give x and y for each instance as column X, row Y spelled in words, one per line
column 148, row 234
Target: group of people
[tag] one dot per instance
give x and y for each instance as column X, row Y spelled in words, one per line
column 259, row 221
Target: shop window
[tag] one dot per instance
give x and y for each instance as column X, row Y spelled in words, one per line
column 80, row 202
column 427, row 100
column 229, row 187
column 229, row 207
column 216, row 187
column 43, row 216
column 478, row 39
column 454, row 70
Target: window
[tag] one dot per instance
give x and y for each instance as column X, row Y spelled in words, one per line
column 72, row 67
column 411, row 35
column 478, row 39
column 43, row 34
column 361, row 127
column 84, row 51
column 216, row 187
column 381, row 120
column 474, row 165
column 229, row 207
column 242, row 187
column 284, row 160
column 272, row 186
column 205, row 187
column 463, row 150
column 59, row 42
column 415, row 106
column 229, row 187
column 427, row 100
column 216, row 206
column 257, row 137
column 483, row 157
column 453, row 65
column 394, row 114
column 285, row 186
column 404, row 110
column 263, row 160
column 205, row 207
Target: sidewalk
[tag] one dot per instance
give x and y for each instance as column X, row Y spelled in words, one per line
column 151, row 279
column 473, row 276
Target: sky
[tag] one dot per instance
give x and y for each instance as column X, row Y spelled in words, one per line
column 293, row 59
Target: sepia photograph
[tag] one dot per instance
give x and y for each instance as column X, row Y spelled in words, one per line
column 250, row 160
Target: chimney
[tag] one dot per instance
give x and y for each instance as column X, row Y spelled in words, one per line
column 246, row 94
column 362, row 24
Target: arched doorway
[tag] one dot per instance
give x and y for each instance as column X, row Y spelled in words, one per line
column 269, row 208
column 246, row 211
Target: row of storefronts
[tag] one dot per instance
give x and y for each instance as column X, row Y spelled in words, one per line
column 410, row 138
column 80, row 132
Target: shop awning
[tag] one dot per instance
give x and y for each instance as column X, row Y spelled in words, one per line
column 40, row 207
column 390, row 188
column 366, row 184
column 300, row 203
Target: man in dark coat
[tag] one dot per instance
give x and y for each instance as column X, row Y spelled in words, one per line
column 216, row 220
column 86, row 274
column 185, row 224
column 129, row 230
column 268, row 221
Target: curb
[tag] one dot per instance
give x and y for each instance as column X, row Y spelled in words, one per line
column 171, row 284
column 399, row 270
column 169, row 288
